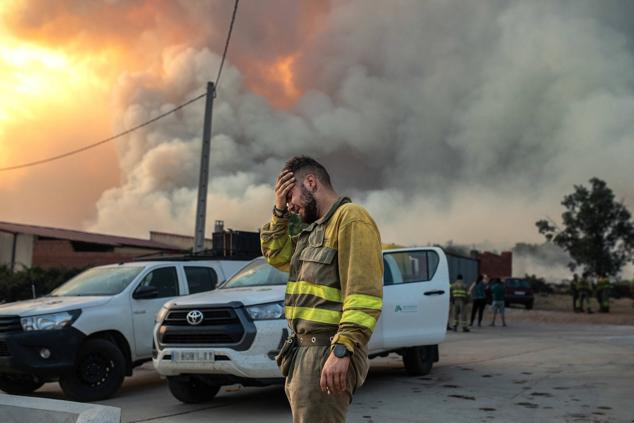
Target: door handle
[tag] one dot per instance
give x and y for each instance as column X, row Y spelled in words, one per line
column 139, row 312
column 434, row 292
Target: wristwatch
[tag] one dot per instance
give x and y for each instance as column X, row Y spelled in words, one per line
column 341, row 351
column 281, row 213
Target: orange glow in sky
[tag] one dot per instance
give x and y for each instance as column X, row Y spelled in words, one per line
column 275, row 81
column 283, row 71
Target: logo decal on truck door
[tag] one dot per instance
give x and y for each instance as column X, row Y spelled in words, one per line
column 405, row 308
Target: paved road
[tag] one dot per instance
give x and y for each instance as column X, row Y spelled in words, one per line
column 521, row 373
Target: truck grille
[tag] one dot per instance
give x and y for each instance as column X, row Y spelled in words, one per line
column 220, row 326
column 198, row 338
column 211, row 317
column 10, row 324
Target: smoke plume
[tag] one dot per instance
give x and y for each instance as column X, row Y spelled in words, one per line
column 446, row 119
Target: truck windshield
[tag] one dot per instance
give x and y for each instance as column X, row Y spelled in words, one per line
column 98, row 281
column 256, row 273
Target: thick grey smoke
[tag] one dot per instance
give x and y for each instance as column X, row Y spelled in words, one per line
column 447, row 119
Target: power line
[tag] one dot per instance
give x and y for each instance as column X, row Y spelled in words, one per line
column 137, row 127
column 114, row 137
column 224, row 53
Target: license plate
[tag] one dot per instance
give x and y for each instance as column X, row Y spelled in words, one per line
column 193, row 356
column 519, row 292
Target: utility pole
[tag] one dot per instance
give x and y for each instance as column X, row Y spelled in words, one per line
column 201, row 209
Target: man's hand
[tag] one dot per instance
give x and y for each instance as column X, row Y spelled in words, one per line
column 284, row 184
column 334, row 375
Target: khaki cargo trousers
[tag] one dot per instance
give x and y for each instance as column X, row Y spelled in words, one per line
column 308, row 403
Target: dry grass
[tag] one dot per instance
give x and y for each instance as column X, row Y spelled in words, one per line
column 557, row 308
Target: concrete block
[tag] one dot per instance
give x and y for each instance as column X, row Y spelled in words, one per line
column 19, row 409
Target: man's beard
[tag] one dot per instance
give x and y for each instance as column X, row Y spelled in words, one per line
column 309, row 205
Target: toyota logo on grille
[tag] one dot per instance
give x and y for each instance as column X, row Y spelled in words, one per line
column 194, row 317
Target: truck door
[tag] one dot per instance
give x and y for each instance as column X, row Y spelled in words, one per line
column 415, row 297
column 165, row 282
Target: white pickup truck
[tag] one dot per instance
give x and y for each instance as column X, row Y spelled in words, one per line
column 93, row 330
column 232, row 335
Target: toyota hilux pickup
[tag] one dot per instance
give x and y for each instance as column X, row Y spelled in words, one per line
column 232, row 335
column 90, row 332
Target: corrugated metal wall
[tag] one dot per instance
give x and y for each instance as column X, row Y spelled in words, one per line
column 468, row 267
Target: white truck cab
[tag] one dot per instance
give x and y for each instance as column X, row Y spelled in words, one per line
column 90, row 332
column 232, row 335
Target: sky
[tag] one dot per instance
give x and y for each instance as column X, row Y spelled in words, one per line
column 448, row 120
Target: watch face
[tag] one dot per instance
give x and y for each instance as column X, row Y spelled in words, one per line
column 340, row 351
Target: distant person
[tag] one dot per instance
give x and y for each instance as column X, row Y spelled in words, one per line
column 477, row 290
column 603, row 293
column 459, row 297
column 585, row 291
column 497, row 303
column 574, row 291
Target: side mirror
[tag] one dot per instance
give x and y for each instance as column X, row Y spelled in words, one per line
column 145, row 292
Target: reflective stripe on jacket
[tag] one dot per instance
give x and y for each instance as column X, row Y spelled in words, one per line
column 603, row 283
column 458, row 289
column 335, row 270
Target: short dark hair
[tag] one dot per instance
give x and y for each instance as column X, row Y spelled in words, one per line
column 305, row 164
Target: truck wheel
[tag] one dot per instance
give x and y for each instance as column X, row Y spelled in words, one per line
column 19, row 384
column 98, row 373
column 418, row 360
column 191, row 390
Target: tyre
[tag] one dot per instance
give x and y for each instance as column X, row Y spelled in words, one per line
column 529, row 305
column 19, row 384
column 98, row 373
column 191, row 389
column 418, row 361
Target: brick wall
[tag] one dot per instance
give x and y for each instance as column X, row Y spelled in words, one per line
column 496, row 266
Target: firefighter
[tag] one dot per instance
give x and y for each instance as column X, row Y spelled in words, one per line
column 603, row 293
column 585, row 291
column 574, row 291
column 334, row 293
column 459, row 300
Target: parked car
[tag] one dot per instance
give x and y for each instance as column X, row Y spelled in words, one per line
column 90, row 332
column 518, row 291
column 232, row 335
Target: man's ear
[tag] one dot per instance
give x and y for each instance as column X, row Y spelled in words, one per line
column 310, row 181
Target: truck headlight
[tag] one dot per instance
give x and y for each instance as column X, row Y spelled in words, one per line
column 50, row 321
column 266, row 311
column 161, row 314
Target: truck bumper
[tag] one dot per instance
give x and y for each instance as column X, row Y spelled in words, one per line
column 258, row 362
column 20, row 352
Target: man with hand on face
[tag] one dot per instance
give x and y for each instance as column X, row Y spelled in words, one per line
column 334, row 293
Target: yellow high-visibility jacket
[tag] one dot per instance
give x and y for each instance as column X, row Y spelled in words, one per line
column 458, row 289
column 335, row 270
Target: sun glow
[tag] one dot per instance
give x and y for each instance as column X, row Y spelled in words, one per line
column 31, row 75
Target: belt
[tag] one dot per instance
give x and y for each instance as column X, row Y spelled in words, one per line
column 315, row 340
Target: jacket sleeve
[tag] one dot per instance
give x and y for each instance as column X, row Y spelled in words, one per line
column 276, row 243
column 360, row 271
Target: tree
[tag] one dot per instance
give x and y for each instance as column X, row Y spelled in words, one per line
column 598, row 233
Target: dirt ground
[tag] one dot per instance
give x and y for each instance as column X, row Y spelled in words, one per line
column 557, row 308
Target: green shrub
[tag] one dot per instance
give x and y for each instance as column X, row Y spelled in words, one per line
column 19, row 285
column 539, row 285
column 622, row 289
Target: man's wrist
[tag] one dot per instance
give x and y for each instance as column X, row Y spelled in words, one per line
column 281, row 213
column 340, row 351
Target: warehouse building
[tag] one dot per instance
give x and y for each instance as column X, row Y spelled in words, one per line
column 24, row 246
